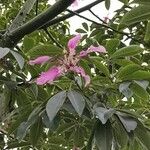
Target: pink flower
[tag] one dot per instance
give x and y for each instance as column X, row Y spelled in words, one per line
column 66, row 64
column 106, row 19
column 80, row 70
column 39, row 60
column 49, row 76
column 99, row 49
column 75, row 3
column 72, row 44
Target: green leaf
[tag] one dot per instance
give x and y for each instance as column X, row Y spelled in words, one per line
column 120, row 135
column 144, row 2
column 3, row 52
column 84, row 64
column 41, row 50
column 54, row 104
column 80, row 31
column 35, row 131
column 147, row 34
column 107, row 4
column 139, row 91
column 22, row 130
column 79, row 136
column 85, row 25
column 123, row 62
column 77, row 100
column 138, row 14
column 143, row 135
column 124, row 1
column 18, row 58
column 143, row 83
column 112, row 45
column 12, row 145
column 127, row 51
column 28, row 43
column 104, row 114
column 127, row 70
column 101, row 67
column 103, row 136
column 125, row 90
column 128, row 122
column 24, row 126
column 138, row 75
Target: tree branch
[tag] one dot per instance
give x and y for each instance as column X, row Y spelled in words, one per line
column 53, row 39
column 96, row 16
column 69, row 15
column 10, row 39
column 105, row 26
column 20, row 18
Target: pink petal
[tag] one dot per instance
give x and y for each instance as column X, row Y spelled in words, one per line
column 80, row 70
column 39, row 60
column 72, row 44
column 49, row 76
column 83, row 53
column 99, row 49
column 75, row 3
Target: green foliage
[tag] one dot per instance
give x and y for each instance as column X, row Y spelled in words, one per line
column 112, row 112
column 138, row 14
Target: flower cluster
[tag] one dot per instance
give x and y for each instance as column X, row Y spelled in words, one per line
column 68, row 63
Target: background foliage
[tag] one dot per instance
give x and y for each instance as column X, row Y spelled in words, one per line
column 113, row 112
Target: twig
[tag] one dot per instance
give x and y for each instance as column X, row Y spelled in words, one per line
column 96, row 16
column 105, row 26
column 36, row 7
column 52, row 38
column 69, row 15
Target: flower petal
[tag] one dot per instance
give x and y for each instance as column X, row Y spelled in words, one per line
column 83, row 53
column 72, row 43
column 39, row 60
column 100, row 49
column 80, row 70
column 49, row 76
column 75, row 3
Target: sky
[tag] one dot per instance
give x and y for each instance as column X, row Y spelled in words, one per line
column 100, row 10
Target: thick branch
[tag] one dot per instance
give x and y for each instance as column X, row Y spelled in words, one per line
column 20, row 18
column 69, row 15
column 10, row 39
